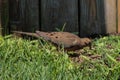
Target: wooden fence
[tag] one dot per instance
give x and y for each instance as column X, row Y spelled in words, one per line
column 86, row 17
column 0, row 17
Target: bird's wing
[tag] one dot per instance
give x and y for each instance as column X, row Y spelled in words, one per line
column 61, row 38
column 44, row 35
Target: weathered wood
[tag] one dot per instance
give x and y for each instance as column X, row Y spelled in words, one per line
column 14, row 15
column 110, row 15
column 54, row 13
column 5, row 16
column 30, row 10
column 95, row 16
column 92, row 17
column 0, row 17
column 88, row 18
column 118, row 16
column 24, row 15
column 101, row 29
column 98, row 17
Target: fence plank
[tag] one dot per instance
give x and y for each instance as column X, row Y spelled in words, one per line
column 118, row 6
column 54, row 13
column 5, row 16
column 24, row 14
column 110, row 15
column 0, row 17
column 14, row 15
column 30, row 15
column 98, row 17
column 92, row 17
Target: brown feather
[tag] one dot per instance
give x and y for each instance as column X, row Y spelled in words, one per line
column 68, row 40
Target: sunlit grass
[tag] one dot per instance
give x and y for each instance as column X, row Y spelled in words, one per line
column 22, row 59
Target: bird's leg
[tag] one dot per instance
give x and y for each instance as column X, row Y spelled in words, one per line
column 90, row 45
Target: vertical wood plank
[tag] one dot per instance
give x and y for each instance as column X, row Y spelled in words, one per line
column 110, row 15
column 0, row 17
column 5, row 16
column 98, row 17
column 118, row 16
column 30, row 11
column 54, row 13
column 14, row 15
column 89, row 20
column 24, row 15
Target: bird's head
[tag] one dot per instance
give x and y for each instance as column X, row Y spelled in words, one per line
column 86, row 42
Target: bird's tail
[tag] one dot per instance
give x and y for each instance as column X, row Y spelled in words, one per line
column 26, row 33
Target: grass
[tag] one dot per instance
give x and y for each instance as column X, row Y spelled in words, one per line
column 22, row 59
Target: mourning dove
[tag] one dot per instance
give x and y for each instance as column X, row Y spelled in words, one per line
column 70, row 41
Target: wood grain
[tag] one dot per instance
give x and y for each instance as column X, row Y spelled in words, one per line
column 110, row 15
column 24, row 15
column 0, row 17
column 97, row 17
column 118, row 16
column 57, row 12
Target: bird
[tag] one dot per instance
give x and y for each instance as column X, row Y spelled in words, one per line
column 69, row 41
